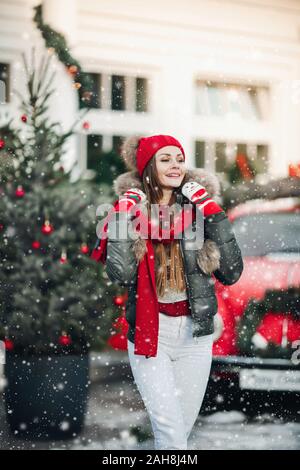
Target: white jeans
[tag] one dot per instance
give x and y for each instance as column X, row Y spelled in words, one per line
column 172, row 384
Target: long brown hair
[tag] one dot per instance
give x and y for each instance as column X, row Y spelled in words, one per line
column 168, row 258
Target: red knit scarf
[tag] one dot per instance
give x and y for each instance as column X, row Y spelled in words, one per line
column 147, row 312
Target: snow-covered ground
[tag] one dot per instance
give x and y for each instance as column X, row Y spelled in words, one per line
column 117, row 420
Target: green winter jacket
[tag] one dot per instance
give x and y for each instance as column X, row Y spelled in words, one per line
column 220, row 256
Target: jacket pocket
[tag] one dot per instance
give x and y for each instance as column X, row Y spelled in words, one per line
column 201, row 286
column 205, row 308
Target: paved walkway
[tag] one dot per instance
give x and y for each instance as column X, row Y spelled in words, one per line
column 116, row 419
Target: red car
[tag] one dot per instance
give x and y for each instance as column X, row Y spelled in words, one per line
column 254, row 339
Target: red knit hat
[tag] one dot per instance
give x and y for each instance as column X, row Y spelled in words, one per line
column 148, row 146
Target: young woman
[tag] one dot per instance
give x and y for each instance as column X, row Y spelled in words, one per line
column 171, row 295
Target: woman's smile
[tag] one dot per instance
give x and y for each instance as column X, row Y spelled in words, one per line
column 173, row 175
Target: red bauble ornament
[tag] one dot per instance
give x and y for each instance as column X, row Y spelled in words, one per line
column 24, row 118
column 86, row 125
column 35, row 245
column 64, row 340
column 63, row 257
column 19, row 191
column 84, row 248
column 2, row 144
column 118, row 338
column 47, row 228
column 9, row 345
column 1, row 227
column 119, row 300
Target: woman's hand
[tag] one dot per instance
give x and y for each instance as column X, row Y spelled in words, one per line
column 198, row 195
column 129, row 199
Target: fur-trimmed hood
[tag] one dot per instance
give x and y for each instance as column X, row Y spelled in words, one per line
column 208, row 257
column 131, row 179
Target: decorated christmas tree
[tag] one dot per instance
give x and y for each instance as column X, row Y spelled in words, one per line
column 53, row 297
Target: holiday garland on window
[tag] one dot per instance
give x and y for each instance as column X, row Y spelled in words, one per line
column 56, row 42
column 279, row 309
column 241, row 169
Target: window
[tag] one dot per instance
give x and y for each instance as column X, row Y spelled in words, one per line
column 141, row 95
column 118, row 92
column 103, row 158
column 92, row 97
column 242, row 148
column 232, row 100
column 262, row 158
column 4, row 83
column 220, row 157
column 200, row 154
column 116, row 143
column 114, row 92
column 217, row 156
column 94, row 149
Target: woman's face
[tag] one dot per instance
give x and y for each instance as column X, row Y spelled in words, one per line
column 170, row 166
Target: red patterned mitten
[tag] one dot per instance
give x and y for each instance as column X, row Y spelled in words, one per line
column 129, row 199
column 198, row 195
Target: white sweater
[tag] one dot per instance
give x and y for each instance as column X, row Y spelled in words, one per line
column 172, row 295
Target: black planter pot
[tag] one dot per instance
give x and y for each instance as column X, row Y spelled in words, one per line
column 46, row 397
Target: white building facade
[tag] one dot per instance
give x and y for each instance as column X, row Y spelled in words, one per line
column 223, row 76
